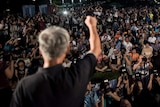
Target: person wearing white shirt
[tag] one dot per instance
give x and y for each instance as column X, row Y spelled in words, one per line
column 111, row 49
column 73, row 42
column 152, row 38
column 134, row 28
column 127, row 44
column 67, row 63
column 105, row 37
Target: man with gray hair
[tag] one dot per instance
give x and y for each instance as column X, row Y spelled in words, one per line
column 53, row 85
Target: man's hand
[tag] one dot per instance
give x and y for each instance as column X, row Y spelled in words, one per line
column 91, row 21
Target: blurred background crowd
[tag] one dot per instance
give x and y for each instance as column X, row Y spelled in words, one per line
column 130, row 42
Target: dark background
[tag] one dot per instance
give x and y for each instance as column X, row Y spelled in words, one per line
column 16, row 5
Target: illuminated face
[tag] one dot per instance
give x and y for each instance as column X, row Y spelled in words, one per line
column 134, row 51
column 147, row 45
column 21, row 65
column 127, row 39
column 89, row 86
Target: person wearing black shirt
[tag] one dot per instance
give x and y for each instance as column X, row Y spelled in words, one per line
column 54, row 85
column 6, row 72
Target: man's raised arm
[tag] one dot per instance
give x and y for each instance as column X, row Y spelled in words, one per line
column 95, row 45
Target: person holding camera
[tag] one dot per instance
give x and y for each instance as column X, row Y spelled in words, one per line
column 123, row 85
column 143, row 65
column 146, row 97
column 154, row 82
column 111, row 98
column 137, row 92
column 127, row 61
column 154, row 88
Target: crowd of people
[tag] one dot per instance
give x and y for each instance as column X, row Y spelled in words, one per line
column 130, row 39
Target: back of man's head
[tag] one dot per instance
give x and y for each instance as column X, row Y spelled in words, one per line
column 53, row 42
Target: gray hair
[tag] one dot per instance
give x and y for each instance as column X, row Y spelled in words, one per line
column 53, row 42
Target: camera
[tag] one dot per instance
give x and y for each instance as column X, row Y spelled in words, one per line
column 125, row 78
column 18, row 38
column 144, row 59
column 123, row 51
column 123, row 70
column 155, row 74
column 138, row 76
column 105, row 86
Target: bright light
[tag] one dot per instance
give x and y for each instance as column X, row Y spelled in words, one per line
column 7, row 10
column 65, row 12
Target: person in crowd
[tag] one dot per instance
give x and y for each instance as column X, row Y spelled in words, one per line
column 111, row 97
column 123, row 85
column 147, row 50
column 105, row 37
column 143, row 65
column 6, row 73
column 21, row 71
column 115, row 60
column 118, row 43
column 156, row 46
column 152, row 38
column 155, row 60
column 9, row 45
column 134, row 55
column 19, row 35
column 26, row 59
column 127, row 44
column 127, row 61
column 154, row 87
column 65, row 87
column 102, row 63
column 112, row 47
column 138, row 92
column 14, row 29
column 67, row 62
column 91, row 98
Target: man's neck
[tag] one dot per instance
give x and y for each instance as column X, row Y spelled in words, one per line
column 53, row 62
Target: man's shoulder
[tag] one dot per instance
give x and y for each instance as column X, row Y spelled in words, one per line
column 43, row 75
column 32, row 80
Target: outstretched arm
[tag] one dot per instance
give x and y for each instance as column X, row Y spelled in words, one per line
column 95, row 46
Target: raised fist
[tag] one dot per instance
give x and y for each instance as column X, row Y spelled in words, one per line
column 91, row 21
